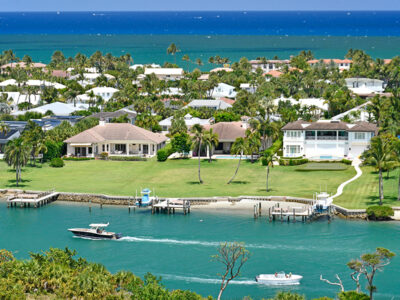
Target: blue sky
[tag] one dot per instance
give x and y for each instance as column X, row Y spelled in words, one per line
column 134, row 5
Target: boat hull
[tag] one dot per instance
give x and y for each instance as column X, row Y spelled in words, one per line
column 95, row 235
column 272, row 280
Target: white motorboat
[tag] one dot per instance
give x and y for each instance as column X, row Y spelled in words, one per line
column 280, row 278
column 96, row 231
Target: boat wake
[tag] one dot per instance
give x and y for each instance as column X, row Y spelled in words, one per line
column 245, row 281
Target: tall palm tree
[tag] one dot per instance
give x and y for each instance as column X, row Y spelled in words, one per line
column 380, row 153
column 211, row 140
column 269, row 162
column 397, row 153
column 173, row 49
column 253, row 142
column 239, row 147
column 4, row 128
column 36, row 138
column 17, row 155
column 197, row 139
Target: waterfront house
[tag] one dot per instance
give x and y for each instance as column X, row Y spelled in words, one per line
column 108, row 116
column 206, row 103
column 165, row 73
column 341, row 64
column 106, row 93
column 268, row 65
column 365, row 87
column 223, row 90
column 17, row 98
column 221, row 69
column 33, row 82
column 115, row 139
column 189, row 121
column 327, row 139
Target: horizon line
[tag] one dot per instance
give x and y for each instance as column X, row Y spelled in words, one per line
column 187, row 10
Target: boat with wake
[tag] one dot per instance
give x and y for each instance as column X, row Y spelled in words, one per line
column 96, row 231
column 280, row 278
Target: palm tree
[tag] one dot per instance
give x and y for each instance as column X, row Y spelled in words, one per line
column 4, row 128
column 173, row 49
column 397, row 153
column 199, row 62
column 380, row 153
column 253, row 142
column 35, row 136
column 187, row 59
column 211, row 140
column 17, row 155
column 269, row 162
column 197, row 139
column 238, row 147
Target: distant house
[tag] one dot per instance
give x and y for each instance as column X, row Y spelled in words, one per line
column 358, row 113
column 327, row 139
column 165, row 73
column 204, row 77
column 189, row 121
column 223, row 90
column 34, row 82
column 57, row 108
column 60, row 74
column 17, row 98
column 6, row 137
column 116, row 139
column 248, row 87
column 227, row 133
column 211, row 104
column 23, row 65
column 106, row 93
column 108, row 116
column 51, row 122
column 341, row 64
column 221, row 69
column 365, row 87
column 90, row 78
column 269, row 65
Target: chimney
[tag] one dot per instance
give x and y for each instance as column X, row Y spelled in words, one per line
column 102, row 122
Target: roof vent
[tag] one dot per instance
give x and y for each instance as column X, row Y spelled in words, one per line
column 335, row 121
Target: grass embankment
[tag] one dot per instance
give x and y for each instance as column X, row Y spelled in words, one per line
column 364, row 191
column 174, row 178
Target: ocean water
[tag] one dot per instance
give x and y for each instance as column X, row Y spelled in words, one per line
column 146, row 35
column 179, row 247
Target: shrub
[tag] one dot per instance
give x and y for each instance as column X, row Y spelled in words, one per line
column 127, row 158
column 164, row 153
column 380, row 212
column 352, row 295
column 346, row 161
column 54, row 149
column 292, row 161
column 57, row 163
column 104, row 155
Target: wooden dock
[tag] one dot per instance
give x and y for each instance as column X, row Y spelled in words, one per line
column 31, row 200
column 169, row 206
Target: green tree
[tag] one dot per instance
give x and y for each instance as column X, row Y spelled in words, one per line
column 35, row 136
column 381, row 151
column 197, row 139
column 17, row 155
column 172, row 50
column 268, row 161
column 181, row 143
column 211, row 141
column 178, row 125
column 239, row 147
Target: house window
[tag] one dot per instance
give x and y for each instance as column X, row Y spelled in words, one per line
column 153, row 148
column 108, row 147
column 293, row 134
column 140, row 147
column 90, row 150
column 103, row 147
column 292, row 150
column 359, row 135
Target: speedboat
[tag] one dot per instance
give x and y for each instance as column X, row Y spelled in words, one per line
column 96, row 231
column 280, row 278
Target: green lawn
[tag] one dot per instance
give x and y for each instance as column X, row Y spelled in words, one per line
column 364, row 191
column 322, row 167
column 174, row 178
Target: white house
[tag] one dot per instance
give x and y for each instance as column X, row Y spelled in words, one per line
column 358, row 113
column 223, row 90
column 319, row 103
column 248, row 87
column 57, row 108
column 365, row 86
column 341, row 64
column 327, row 139
column 34, row 82
column 189, row 121
column 115, row 139
column 212, row 104
column 16, row 98
column 269, row 65
column 165, row 73
column 104, row 92
column 90, row 78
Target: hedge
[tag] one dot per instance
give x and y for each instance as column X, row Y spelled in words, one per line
column 164, row 153
column 380, row 212
column 78, row 158
column 54, row 149
column 346, row 161
column 127, row 158
column 292, row 162
column 57, row 163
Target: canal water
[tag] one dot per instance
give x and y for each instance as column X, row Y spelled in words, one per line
column 179, row 247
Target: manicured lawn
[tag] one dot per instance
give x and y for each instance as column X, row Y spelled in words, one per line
column 364, row 191
column 175, row 178
column 322, row 167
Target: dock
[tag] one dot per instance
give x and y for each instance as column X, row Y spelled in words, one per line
column 31, row 200
column 169, row 206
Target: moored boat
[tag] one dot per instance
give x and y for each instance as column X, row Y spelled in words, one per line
column 279, row 279
column 96, row 231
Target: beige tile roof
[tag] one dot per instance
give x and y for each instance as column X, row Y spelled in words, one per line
column 116, row 132
column 228, row 131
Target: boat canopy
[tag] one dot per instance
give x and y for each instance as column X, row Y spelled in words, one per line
column 99, row 225
column 146, row 191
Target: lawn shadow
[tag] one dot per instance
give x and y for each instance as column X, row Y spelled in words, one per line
column 13, row 183
column 374, row 200
column 193, row 182
column 240, row 182
column 269, row 190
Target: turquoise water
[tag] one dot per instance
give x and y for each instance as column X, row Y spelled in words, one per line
column 152, row 48
column 178, row 247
